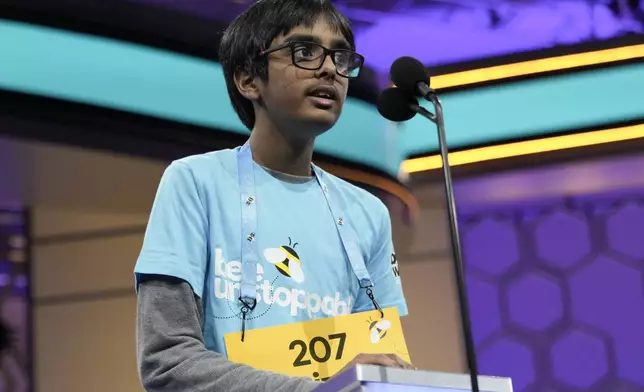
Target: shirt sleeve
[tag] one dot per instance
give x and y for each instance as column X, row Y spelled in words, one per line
column 171, row 353
column 383, row 268
column 175, row 242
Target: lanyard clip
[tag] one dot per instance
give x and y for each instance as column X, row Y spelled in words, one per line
column 375, row 303
column 244, row 311
column 248, row 304
column 367, row 285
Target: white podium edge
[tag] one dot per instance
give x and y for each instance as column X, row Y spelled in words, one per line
column 353, row 378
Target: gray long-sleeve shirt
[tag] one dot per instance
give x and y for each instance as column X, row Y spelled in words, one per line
column 171, row 351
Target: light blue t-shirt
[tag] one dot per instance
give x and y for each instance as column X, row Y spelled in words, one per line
column 194, row 233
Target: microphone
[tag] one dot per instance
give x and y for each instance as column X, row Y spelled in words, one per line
column 399, row 104
column 396, row 105
column 410, row 75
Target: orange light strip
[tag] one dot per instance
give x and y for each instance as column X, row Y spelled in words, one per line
column 548, row 144
column 537, row 66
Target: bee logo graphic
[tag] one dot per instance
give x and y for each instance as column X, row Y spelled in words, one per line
column 378, row 329
column 286, row 260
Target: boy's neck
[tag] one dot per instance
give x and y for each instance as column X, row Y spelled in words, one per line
column 274, row 150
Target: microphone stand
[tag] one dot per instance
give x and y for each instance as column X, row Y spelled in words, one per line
column 437, row 119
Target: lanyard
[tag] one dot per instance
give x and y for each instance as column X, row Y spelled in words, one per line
column 250, row 251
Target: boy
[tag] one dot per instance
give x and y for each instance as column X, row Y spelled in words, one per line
column 258, row 236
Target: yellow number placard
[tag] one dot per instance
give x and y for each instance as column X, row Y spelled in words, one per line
column 319, row 348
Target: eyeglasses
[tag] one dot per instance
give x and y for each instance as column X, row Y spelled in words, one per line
column 311, row 56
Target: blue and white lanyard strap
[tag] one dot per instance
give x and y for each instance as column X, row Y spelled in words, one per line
column 349, row 241
column 249, row 247
column 249, row 250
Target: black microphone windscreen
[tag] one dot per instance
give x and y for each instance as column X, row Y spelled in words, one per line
column 406, row 72
column 393, row 104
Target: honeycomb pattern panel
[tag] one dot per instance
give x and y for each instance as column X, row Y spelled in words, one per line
column 620, row 235
column 556, row 292
column 491, row 246
column 535, row 301
column 522, row 366
column 597, row 293
column 485, row 308
column 580, row 358
column 551, row 229
column 14, row 300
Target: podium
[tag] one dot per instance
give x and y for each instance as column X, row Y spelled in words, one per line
column 368, row 378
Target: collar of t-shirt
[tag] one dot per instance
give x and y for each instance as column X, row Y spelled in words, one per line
column 290, row 178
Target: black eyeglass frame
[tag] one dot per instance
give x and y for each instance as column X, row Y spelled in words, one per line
column 325, row 52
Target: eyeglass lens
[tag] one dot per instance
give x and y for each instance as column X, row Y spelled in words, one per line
column 311, row 56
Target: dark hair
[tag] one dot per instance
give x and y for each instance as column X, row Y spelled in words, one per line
column 254, row 30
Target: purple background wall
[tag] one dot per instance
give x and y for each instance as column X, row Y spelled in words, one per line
column 458, row 30
column 14, row 299
column 557, row 292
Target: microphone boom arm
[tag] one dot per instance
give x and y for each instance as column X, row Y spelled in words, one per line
column 437, row 119
column 424, row 112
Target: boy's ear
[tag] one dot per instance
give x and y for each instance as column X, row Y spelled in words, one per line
column 246, row 85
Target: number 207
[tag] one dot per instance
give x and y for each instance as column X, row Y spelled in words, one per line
column 318, row 354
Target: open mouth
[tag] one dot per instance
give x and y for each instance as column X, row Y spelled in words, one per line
column 321, row 93
column 324, row 96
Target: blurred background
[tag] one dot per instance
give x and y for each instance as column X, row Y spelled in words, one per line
column 544, row 106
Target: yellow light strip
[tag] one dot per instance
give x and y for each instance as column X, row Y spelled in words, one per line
column 508, row 150
column 537, row 66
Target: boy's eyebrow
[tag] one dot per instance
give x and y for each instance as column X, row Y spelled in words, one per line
column 301, row 37
column 336, row 44
column 341, row 44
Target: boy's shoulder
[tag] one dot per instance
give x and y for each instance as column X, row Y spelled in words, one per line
column 207, row 167
column 209, row 161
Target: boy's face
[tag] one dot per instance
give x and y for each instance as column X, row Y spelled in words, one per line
column 292, row 95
